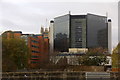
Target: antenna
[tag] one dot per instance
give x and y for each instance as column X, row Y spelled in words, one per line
column 42, row 29
column 106, row 14
column 69, row 12
column 46, row 22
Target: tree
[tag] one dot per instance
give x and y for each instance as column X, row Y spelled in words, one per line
column 115, row 58
column 94, row 57
column 97, row 52
column 14, row 54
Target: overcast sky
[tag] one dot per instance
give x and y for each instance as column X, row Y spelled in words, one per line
column 28, row 15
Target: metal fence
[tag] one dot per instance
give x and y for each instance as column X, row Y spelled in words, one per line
column 55, row 75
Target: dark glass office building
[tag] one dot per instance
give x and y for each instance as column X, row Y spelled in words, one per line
column 80, row 31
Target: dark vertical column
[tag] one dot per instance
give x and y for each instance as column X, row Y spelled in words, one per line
column 69, row 31
column 86, row 32
column 46, row 49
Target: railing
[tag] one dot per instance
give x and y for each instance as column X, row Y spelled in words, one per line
column 43, row 75
column 52, row 75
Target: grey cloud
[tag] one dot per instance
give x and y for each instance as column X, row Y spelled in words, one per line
column 29, row 16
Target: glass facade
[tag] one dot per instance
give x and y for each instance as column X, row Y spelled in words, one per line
column 97, row 31
column 80, row 31
column 61, row 33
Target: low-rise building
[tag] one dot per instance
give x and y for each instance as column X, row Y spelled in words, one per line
column 38, row 46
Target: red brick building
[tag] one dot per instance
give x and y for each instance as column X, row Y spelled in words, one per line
column 39, row 50
column 12, row 34
column 38, row 45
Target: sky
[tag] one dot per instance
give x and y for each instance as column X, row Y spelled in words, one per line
column 29, row 15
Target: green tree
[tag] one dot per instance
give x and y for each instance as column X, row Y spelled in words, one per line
column 94, row 57
column 116, row 57
column 14, row 54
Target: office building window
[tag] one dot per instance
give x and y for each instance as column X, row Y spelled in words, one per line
column 35, row 51
column 34, row 62
column 35, row 41
column 34, row 56
column 35, row 46
column 34, row 59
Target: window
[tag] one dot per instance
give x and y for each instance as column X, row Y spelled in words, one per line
column 35, row 51
column 35, row 41
column 34, row 56
column 34, row 59
column 35, row 46
column 34, row 62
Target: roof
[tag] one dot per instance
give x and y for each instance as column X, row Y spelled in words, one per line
column 17, row 31
column 96, row 15
column 61, row 16
column 82, row 16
